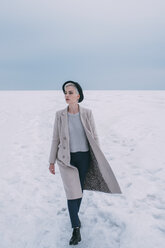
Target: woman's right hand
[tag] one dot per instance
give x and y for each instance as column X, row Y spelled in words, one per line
column 52, row 168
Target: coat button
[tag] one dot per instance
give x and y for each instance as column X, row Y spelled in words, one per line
column 63, row 156
column 64, row 138
column 64, row 147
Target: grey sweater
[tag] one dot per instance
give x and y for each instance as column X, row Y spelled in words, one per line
column 77, row 137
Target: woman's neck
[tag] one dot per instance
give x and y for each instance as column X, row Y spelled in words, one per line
column 73, row 108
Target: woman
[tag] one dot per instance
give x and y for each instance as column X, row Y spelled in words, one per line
column 76, row 147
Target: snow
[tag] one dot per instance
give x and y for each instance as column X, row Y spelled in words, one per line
column 33, row 205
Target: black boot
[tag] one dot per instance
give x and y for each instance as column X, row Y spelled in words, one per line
column 76, row 236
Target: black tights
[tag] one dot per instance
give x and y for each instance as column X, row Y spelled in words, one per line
column 81, row 160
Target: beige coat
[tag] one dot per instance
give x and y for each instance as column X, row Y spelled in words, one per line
column 100, row 176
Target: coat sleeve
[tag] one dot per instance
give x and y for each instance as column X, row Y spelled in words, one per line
column 55, row 141
column 93, row 125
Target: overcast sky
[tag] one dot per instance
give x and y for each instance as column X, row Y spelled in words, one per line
column 104, row 44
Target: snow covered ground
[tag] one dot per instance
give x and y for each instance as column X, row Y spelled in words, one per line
column 33, row 206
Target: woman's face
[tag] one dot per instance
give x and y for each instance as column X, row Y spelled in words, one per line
column 71, row 95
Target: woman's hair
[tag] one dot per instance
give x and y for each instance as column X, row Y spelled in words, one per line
column 71, row 84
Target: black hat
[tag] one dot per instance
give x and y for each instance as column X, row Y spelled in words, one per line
column 78, row 88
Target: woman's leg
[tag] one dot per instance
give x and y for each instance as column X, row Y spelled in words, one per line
column 83, row 163
column 81, row 160
column 78, row 203
column 73, row 212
